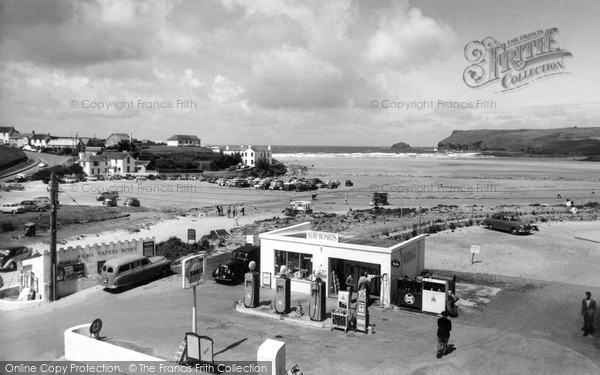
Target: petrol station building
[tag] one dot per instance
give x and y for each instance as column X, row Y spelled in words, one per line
column 308, row 254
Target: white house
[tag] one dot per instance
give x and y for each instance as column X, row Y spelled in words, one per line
column 65, row 142
column 181, row 140
column 94, row 164
column 250, row 154
column 5, row 133
column 110, row 162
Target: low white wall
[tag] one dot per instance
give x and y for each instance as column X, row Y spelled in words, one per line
column 13, row 304
column 79, row 346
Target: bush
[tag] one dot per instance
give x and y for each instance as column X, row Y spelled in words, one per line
column 225, row 161
column 174, row 248
column 7, row 227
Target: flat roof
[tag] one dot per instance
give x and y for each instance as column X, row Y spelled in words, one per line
column 377, row 242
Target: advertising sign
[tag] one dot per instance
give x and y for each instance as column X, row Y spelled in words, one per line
column 192, row 270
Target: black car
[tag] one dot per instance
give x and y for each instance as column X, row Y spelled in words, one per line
column 234, row 270
column 11, row 255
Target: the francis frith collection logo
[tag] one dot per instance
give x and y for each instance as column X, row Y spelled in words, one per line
column 516, row 62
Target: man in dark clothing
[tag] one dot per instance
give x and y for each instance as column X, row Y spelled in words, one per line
column 588, row 309
column 443, row 334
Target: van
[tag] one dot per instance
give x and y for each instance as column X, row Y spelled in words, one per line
column 131, row 269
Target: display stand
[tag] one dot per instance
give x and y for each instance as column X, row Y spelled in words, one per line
column 341, row 317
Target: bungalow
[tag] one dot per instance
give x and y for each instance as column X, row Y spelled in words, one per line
column 251, row 154
column 74, row 144
column 179, row 140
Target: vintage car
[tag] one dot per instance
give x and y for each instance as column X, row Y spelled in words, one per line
column 298, row 207
column 349, row 183
column 109, row 202
column 42, row 165
column 508, row 222
column 33, row 206
column 11, row 255
column 12, row 208
column 233, row 271
column 132, row 269
column 107, row 194
column 134, row 202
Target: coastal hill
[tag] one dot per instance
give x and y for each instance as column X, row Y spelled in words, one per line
column 534, row 142
column 401, row 146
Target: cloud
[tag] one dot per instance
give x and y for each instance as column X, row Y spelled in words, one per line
column 291, row 77
column 407, row 38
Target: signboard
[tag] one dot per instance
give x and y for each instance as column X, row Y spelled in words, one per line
column 395, row 263
column 475, row 249
column 193, row 345
column 250, row 239
column 148, row 248
column 266, row 279
column 206, row 349
column 192, row 271
column 322, row 236
column 192, row 235
column 66, row 271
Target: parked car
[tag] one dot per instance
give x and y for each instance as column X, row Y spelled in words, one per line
column 109, row 202
column 44, row 201
column 233, row 270
column 298, row 207
column 12, row 208
column 379, row 199
column 508, row 222
column 92, row 178
column 333, row 184
column 32, row 206
column 349, row 183
column 132, row 269
column 42, row 165
column 134, row 202
column 14, row 186
column 70, row 180
column 11, row 255
column 276, row 185
column 107, row 194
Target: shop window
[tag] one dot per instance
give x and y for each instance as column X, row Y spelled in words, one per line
column 299, row 265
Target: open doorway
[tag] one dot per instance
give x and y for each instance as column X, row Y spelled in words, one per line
column 339, row 269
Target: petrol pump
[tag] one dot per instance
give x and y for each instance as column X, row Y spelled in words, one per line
column 362, row 311
column 282, row 294
column 251, row 287
column 316, row 307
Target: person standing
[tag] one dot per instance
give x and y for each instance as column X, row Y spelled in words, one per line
column 443, row 334
column 229, row 211
column 588, row 309
column 350, row 283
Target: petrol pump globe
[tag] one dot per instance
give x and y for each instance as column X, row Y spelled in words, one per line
column 252, row 266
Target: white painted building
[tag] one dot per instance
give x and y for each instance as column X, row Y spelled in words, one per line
column 5, row 133
column 183, row 140
column 308, row 254
column 110, row 162
column 250, row 154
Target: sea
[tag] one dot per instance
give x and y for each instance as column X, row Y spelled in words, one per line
column 312, row 152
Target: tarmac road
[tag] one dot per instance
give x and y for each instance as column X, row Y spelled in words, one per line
column 517, row 332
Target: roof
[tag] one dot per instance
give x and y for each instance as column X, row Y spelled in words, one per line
column 40, row 136
column 142, row 162
column 365, row 241
column 64, row 142
column 7, row 129
column 116, row 155
column 119, row 135
column 124, row 259
column 184, row 137
column 92, row 158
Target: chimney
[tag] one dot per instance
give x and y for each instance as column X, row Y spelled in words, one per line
column 268, row 147
column 130, row 138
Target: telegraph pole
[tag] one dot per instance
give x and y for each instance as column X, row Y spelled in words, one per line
column 53, row 202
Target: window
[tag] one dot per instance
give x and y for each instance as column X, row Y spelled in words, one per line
column 299, row 265
column 124, row 268
column 96, row 164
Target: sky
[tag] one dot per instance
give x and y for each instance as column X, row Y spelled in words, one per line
column 282, row 72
